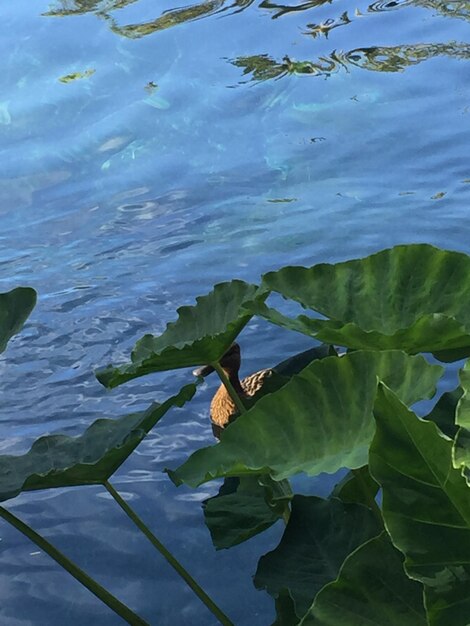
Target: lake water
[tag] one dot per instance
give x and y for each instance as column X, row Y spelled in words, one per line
column 148, row 152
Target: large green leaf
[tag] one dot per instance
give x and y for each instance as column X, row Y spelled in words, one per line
column 15, row 307
column 320, row 421
column 62, row 461
column 372, row 590
column 245, row 507
column 201, row 335
column 426, row 507
column 412, row 297
column 319, row 536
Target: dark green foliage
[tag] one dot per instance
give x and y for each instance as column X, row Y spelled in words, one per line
column 391, row 546
column 319, row 536
column 372, row 589
column 412, row 298
column 320, row 421
column 426, row 507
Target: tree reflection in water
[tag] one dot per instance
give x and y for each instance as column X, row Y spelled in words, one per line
column 262, row 66
column 376, row 58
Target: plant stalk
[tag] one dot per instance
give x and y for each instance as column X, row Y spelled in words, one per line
column 198, row 590
column 230, row 388
column 100, row 592
column 369, row 498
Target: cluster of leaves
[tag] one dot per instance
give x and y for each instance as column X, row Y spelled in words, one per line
column 344, row 559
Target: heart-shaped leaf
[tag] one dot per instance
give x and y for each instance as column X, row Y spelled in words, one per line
column 320, row 421
column 62, row 461
column 319, row 536
column 410, row 297
column 201, row 335
column 372, row 588
column 426, row 507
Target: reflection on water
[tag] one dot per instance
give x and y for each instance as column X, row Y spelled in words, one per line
column 167, row 20
column 173, row 17
column 64, row 8
column 282, row 9
column 190, row 156
column 378, row 59
column 398, row 58
column 316, row 30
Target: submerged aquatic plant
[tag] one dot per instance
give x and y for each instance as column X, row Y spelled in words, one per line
column 352, row 558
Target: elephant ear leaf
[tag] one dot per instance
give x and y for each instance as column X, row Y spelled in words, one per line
column 90, row 459
column 15, row 307
column 201, row 335
column 372, row 588
column 426, row 506
column 410, row 297
column 319, row 421
column 320, row 534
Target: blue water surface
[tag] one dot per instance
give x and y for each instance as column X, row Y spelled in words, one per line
column 148, row 152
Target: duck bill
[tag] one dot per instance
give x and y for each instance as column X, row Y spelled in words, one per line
column 203, row 371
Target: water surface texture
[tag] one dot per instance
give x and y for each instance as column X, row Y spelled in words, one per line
column 149, row 150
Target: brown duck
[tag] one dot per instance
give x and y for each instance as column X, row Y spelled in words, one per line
column 223, row 409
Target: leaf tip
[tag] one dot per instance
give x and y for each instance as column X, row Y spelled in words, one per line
column 173, row 475
column 104, row 375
